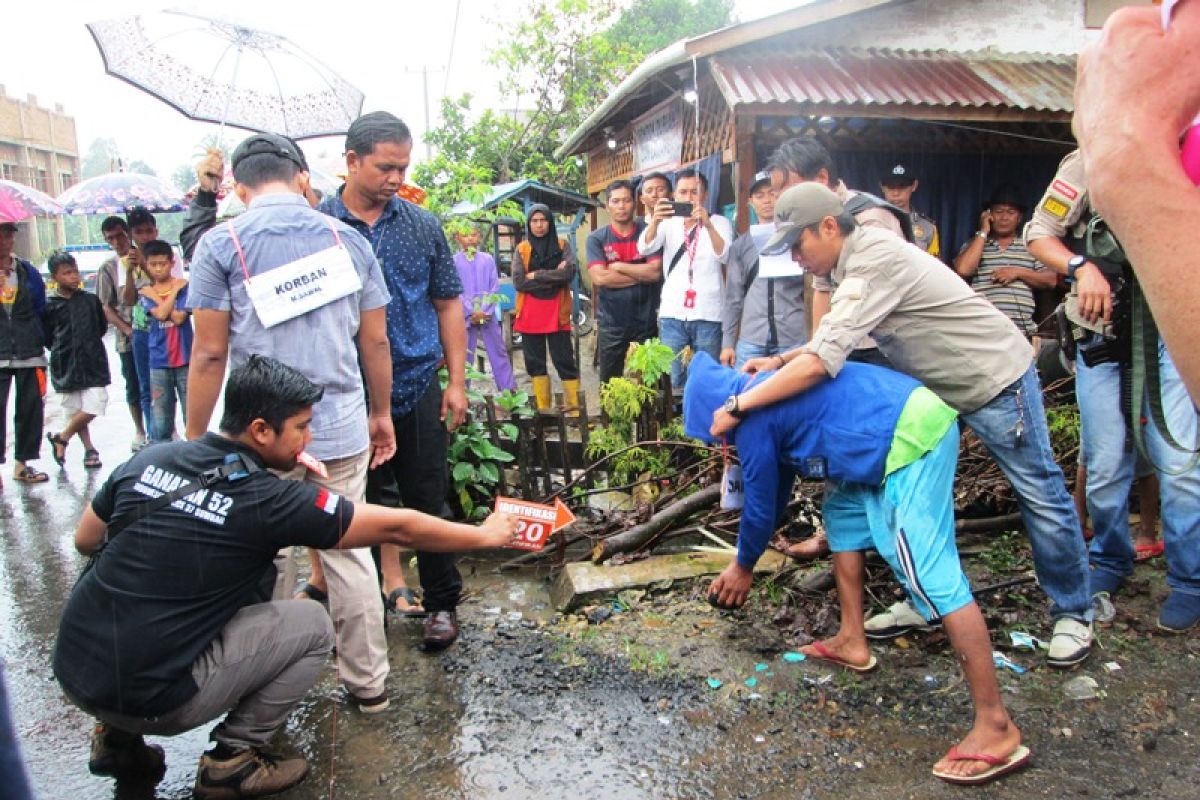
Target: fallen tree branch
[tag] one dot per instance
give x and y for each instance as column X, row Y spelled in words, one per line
column 667, row 517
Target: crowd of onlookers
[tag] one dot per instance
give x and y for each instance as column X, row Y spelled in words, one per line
column 830, row 342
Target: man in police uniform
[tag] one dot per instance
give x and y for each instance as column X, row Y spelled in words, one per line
column 898, row 184
column 1099, row 309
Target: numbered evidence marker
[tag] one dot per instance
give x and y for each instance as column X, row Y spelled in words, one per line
column 535, row 521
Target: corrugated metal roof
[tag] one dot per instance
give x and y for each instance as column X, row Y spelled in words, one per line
column 879, row 77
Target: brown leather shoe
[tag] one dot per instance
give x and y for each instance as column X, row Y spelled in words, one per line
column 441, row 629
column 815, row 546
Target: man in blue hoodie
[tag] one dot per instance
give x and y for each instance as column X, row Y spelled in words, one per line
column 887, row 447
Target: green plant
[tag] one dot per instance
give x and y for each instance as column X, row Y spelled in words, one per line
column 649, row 361
column 476, row 461
column 622, row 400
column 1008, row 553
column 516, row 403
column 643, row 659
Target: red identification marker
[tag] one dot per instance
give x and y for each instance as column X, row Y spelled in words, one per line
column 535, row 521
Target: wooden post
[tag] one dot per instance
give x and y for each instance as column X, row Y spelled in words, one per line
column 494, row 434
column 744, row 167
column 564, row 445
column 583, row 440
column 525, row 456
column 544, row 465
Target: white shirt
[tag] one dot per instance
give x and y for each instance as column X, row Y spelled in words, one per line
column 705, row 274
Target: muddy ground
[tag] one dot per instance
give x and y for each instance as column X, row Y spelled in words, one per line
column 533, row 704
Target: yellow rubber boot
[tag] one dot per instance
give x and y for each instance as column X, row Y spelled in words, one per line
column 541, row 392
column 571, row 397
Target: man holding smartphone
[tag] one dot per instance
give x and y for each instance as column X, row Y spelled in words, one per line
column 694, row 248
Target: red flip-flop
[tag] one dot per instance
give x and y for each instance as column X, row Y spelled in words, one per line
column 823, row 653
column 1145, row 552
column 998, row 767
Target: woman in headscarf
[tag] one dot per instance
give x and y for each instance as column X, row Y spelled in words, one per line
column 542, row 271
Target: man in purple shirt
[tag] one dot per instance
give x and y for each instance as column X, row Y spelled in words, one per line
column 477, row 271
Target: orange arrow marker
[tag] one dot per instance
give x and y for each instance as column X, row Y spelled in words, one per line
column 535, row 521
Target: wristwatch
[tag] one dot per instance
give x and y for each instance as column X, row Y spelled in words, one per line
column 731, row 407
column 1073, row 264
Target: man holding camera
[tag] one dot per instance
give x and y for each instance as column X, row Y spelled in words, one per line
column 1067, row 236
column 694, row 247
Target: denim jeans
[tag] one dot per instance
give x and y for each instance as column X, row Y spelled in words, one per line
column 701, row 335
column 1013, row 428
column 167, row 384
column 744, row 351
column 1108, row 454
column 141, row 361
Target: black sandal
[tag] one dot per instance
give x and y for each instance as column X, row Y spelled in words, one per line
column 91, row 459
column 391, row 603
column 56, row 442
column 307, row 590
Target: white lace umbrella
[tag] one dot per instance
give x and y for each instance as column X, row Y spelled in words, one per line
column 217, row 71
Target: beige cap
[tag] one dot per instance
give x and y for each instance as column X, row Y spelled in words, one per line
column 798, row 207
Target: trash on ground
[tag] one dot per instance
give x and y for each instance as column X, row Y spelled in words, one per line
column 1001, row 660
column 1083, row 687
column 1025, row 641
column 794, row 657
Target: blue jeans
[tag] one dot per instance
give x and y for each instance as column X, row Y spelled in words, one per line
column 744, row 351
column 701, row 335
column 141, row 361
column 1108, row 454
column 166, row 384
column 1013, row 428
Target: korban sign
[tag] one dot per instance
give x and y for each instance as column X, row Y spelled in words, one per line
column 535, row 522
column 658, row 138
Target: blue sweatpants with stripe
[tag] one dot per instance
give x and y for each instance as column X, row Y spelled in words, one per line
column 910, row 521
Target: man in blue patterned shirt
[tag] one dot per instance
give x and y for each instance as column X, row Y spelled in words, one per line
column 425, row 325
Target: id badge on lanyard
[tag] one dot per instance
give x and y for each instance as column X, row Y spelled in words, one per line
column 689, row 297
column 302, row 285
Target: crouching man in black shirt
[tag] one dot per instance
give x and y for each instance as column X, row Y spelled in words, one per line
column 167, row 630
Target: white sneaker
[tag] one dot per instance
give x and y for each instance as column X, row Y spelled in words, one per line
column 1070, row 644
column 899, row 619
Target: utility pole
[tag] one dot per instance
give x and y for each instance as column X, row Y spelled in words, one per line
column 425, row 70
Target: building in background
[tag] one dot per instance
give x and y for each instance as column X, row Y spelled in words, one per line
column 38, row 148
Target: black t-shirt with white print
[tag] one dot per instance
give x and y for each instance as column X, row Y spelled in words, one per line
column 165, row 586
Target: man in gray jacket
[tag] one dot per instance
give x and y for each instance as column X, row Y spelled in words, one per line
column 763, row 313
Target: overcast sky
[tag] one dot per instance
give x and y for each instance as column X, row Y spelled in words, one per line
column 380, row 49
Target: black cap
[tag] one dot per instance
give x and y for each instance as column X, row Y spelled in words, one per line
column 759, row 179
column 268, row 144
column 12, row 226
column 897, row 175
column 1009, row 195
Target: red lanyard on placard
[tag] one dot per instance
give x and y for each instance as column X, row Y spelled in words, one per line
column 237, row 243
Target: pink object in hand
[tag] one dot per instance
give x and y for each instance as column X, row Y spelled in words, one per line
column 1190, row 147
column 1191, row 153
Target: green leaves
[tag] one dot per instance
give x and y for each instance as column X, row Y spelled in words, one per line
column 556, row 63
